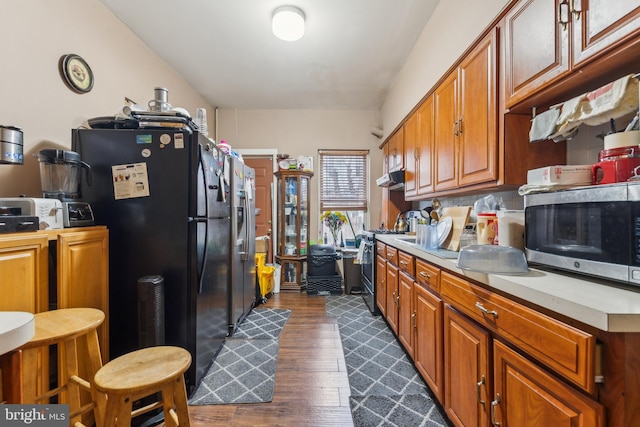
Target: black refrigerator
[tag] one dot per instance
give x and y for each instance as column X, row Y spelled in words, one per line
column 164, row 197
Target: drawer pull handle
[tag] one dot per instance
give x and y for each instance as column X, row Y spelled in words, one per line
column 413, row 320
column 493, row 410
column 425, row 275
column 404, row 263
column 479, row 385
column 480, row 307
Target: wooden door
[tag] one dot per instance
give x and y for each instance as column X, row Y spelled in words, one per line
column 24, row 272
column 264, row 197
column 410, row 156
column 598, row 24
column 536, row 47
column 427, row 349
column 381, row 284
column 526, row 396
column 392, row 297
column 467, row 371
column 445, row 140
column 477, row 127
column 406, row 313
column 83, row 275
column 424, row 148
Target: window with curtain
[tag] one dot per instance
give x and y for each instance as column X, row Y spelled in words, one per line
column 343, row 189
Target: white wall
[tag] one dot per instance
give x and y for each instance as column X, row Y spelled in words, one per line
column 299, row 132
column 302, row 133
column 34, row 34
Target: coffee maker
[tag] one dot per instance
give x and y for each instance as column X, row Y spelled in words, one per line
column 60, row 178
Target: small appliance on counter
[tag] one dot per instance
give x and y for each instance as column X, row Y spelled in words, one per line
column 12, row 220
column 11, row 145
column 587, row 230
column 60, row 177
column 47, row 212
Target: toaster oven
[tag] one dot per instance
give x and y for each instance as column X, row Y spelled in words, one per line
column 49, row 211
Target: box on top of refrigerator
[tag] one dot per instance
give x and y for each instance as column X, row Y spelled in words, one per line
column 561, row 175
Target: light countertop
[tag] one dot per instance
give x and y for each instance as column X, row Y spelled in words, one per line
column 16, row 328
column 608, row 307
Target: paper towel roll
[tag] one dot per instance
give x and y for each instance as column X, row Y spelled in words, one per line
column 622, row 139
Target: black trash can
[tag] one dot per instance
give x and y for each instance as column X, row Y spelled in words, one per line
column 321, row 260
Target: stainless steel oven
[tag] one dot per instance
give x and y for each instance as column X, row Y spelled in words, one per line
column 367, row 271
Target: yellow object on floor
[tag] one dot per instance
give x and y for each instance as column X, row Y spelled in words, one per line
column 265, row 279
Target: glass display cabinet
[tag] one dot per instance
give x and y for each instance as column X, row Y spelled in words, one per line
column 292, row 227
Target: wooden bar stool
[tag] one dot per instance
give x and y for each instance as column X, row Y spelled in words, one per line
column 70, row 329
column 142, row 373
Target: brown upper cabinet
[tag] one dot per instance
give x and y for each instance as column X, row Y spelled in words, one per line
column 394, row 152
column 466, row 121
column 418, row 146
column 546, row 40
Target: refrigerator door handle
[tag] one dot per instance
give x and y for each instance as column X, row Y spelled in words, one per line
column 245, row 244
column 205, row 181
column 205, row 252
column 247, row 215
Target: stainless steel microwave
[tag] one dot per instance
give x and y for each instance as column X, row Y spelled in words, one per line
column 591, row 230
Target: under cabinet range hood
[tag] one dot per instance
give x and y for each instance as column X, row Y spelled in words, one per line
column 392, row 180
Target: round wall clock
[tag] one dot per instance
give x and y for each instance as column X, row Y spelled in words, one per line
column 76, row 73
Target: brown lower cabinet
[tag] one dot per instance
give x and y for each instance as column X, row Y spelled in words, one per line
column 489, row 383
column 79, row 277
column 81, row 272
column 392, row 297
column 427, row 348
column 525, row 395
column 381, row 284
column 491, row 361
column 406, row 313
column 467, row 371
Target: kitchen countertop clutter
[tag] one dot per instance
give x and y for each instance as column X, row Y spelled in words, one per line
column 597, row 303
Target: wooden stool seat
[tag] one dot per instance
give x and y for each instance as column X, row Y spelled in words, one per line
column 139, row 374
column 74, row 330
column 55, row 326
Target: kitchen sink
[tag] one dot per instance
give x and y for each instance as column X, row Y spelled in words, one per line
column 407, row 239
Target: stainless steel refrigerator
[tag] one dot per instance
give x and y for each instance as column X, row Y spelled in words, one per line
column 243, row 237
column 162, row 194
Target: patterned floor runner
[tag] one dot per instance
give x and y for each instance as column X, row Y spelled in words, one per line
column 244, row 369
column 386, row 390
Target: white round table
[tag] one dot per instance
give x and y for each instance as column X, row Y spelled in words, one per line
column 16, row 329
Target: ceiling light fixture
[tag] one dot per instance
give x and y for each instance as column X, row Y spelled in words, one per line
column 288, row 23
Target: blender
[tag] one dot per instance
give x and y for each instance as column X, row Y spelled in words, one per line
column 60, row 178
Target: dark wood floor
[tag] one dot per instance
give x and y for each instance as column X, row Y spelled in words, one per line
column 311, row 387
